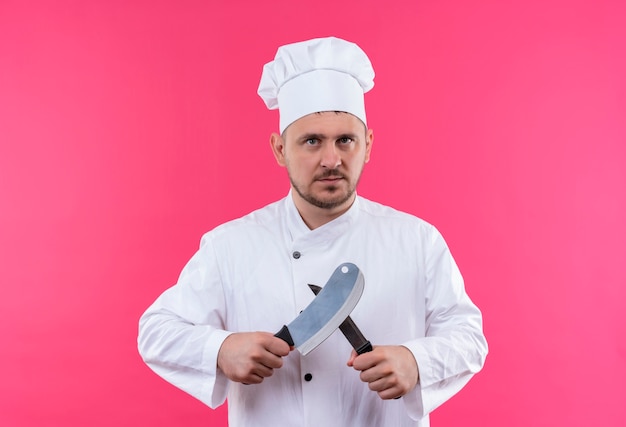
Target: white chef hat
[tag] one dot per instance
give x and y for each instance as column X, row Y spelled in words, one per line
column 325, row 74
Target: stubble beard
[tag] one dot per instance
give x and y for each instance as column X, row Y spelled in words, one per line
column 331, row 202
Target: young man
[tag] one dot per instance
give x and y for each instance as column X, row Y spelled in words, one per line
column 212, row 334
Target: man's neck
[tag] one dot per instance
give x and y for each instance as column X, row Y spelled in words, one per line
column 314, row 216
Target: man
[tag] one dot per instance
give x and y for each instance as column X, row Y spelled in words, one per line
column 212, row 333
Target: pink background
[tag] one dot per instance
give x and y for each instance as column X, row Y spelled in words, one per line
column 129, row 128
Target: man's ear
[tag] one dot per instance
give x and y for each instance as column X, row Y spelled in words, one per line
column 369, row 140
column 278, row 148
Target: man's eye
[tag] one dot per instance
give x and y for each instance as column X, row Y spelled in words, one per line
column 345, row 140
column 311, row 141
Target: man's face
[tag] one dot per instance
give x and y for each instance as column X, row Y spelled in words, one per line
column 324, row 154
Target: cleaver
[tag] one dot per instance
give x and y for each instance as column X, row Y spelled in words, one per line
column 327, row 311
column 350, row 330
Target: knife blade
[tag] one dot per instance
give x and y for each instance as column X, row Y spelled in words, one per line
column 350, row 330
column 327, row 310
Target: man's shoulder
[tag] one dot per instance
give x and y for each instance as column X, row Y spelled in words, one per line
column 396, row 222
column 379, row 211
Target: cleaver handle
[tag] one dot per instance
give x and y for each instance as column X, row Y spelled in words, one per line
column 284, row 335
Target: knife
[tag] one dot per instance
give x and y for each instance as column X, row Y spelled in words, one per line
column 326, row 312
column 350, row 330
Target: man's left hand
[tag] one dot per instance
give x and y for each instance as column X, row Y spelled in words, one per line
column 389, row 370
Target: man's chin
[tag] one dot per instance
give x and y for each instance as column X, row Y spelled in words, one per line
column 330, row 201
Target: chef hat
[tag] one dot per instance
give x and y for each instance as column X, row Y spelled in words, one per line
column 325, row 74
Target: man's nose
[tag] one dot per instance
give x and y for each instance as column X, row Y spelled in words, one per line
column 330, row 157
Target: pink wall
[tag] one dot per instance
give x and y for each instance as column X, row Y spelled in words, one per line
column 129, row 128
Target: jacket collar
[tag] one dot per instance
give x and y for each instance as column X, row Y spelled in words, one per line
column 301, row 232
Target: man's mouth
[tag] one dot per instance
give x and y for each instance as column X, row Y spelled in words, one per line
column 330, row 177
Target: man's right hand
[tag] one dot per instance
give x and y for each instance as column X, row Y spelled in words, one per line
column 249, row 357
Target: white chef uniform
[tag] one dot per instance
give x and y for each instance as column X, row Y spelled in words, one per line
column 251, row 274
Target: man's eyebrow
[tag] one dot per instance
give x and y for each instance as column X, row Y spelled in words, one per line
column 321, row 136
column 307, row 136
column 348, row 135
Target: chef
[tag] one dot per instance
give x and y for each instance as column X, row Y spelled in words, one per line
column 212, row 333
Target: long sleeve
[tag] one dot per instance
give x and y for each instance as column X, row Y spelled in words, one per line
column 181, row 332
column 454, row 348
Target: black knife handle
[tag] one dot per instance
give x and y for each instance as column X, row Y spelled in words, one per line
column 284, row 335
column 354, row 335
column 367, row 346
